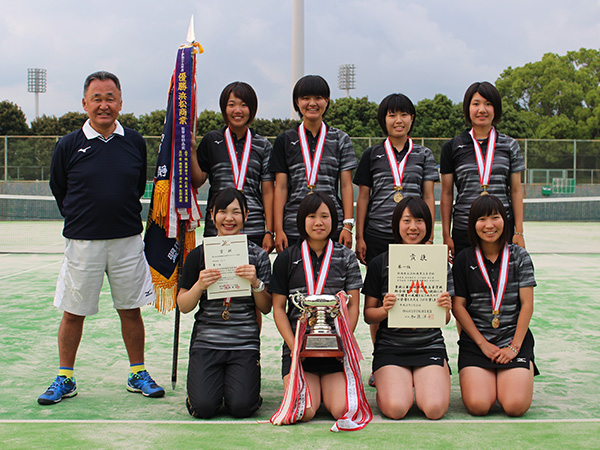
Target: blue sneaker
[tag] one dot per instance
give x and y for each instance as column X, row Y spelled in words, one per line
column 143, row 383
column 62, row 387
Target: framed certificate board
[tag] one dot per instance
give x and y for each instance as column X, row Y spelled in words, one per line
column 417, row 275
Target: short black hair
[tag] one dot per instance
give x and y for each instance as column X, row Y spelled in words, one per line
column 488, row 91
column 309, row 205
column 487, row 205
column 245, row 93
column 395, row 103
column 310, row 85
column 101, row 75
column 418, row 209
column 225, row 197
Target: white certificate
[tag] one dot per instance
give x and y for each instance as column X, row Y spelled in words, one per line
column 226, row 253
column 417, row 275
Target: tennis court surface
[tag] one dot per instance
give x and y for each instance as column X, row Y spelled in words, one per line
column 564, row 414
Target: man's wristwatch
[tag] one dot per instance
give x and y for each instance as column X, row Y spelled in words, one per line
column 260, row 287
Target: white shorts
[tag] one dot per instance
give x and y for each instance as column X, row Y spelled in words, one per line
column 82, row 274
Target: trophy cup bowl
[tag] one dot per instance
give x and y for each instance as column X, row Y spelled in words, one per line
column 320, row 341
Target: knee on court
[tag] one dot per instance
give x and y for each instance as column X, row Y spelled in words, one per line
column 202, row 409
column 242, row 407
column 393, row 409
column 478, row 407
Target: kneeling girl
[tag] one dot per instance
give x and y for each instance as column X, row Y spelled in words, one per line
column 224, row 361
column 405, row 359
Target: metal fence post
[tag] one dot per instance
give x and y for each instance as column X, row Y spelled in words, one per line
column 5, row 158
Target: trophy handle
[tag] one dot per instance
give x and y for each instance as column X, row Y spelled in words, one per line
column 298, row 303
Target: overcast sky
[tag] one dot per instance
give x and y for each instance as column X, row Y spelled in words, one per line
column 419, row 48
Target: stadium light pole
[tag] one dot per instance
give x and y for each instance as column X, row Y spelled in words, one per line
column 36, row 83
column 346, row 78
column 297, row 46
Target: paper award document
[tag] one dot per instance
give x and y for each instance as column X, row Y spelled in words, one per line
column 417, row 275
column 226, row 253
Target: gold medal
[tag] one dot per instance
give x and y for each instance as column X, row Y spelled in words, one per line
column 485, row 192
column 398, row 195
column 496, row 320
column 225, row 315
column 311, row 187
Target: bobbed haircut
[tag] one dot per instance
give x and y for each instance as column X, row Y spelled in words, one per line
column 245, row 93
column 488, row 91
column 101, row 75
column 309, row 205
column 486, row 205
column 395, row 103
column 225, row 197
column 418, row 209
column 310, row 85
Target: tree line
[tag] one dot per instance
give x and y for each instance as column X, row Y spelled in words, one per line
column 557, row 97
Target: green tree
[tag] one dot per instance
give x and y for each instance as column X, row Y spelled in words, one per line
column 438, row 117
column 130, row 121
column 208, row 121
column 355, row 116
column 12, row 120
column 71, row 121
column 562, row 92
column 151, row 124
column 46, row 126
column 273, row 127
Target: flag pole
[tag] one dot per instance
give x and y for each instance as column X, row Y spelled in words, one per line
column 181, row 231
column 191, row 38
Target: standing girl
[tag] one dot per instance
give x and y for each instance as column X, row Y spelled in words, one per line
column 225, row 346
column 388, row 172
column 327, row 267
column 494, row 303
column 235, row 156
column 479, row 162
column 312, row 157
column 405, row 359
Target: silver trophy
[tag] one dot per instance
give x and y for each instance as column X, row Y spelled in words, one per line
column 320, row 341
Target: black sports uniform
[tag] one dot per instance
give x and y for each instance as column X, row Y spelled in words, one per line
column 224, row 354
column 213, row 159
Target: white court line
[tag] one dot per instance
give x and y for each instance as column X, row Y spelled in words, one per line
column 30, row 270
column 262, row 422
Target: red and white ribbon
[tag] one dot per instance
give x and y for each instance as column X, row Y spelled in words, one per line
column 397, row 169
column 308, row 269
column 358, row 411
column 239, row 170
column 296, row 398
column 502, row 279
column 485, row 167
column 312, row 166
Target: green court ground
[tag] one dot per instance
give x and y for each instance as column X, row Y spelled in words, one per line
column 565, row 413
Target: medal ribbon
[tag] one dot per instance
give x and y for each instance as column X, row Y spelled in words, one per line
column 239, row 171
column 485, row 167
column 502, row 279
column 312, row 167
column 308, row 269
column 397, row 169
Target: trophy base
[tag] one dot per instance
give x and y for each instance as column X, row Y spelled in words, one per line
column 321, row 346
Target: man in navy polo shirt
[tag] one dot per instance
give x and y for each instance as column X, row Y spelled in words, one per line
column 98, row 175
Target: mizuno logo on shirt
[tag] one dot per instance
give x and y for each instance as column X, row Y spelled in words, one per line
column 218, row 142
column 296, row 262
column 294, row 142
column 379, row 156
column 149, row 292
column 460, row 146
column 521, row 360
column 473, row 267
column 83, row 150
column 435, row 358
